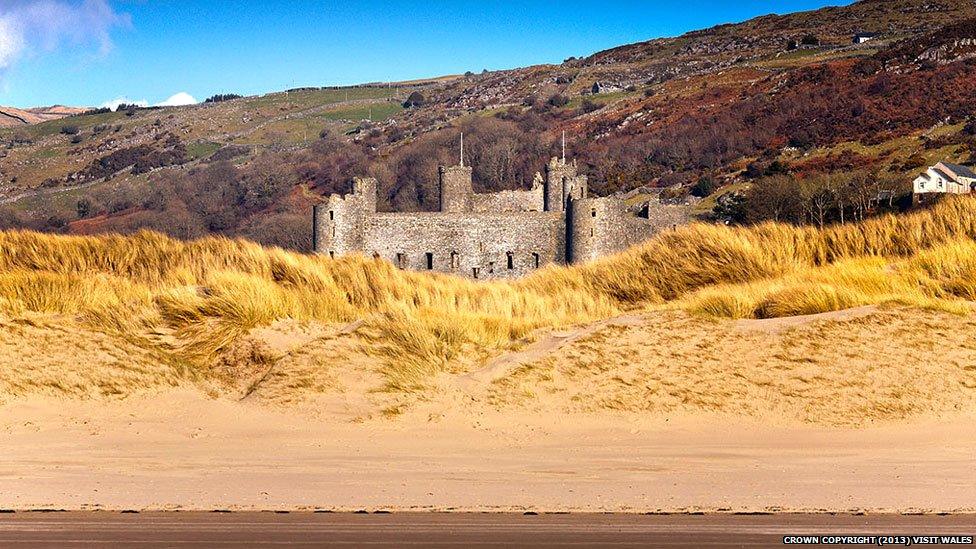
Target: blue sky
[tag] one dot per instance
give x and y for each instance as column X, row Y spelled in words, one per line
column 87, row 52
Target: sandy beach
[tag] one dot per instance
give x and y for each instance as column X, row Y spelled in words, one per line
column 182, row 450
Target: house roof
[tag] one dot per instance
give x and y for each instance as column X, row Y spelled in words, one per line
column 959, row 171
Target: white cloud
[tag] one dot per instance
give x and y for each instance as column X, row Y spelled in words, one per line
column 31, row 26
column 114, row 103
column 177, row 100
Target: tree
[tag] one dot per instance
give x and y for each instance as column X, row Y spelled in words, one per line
column 817, row 196
column 774, row 198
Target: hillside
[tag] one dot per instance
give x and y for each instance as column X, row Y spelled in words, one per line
column 709, row 113
column 13, row 117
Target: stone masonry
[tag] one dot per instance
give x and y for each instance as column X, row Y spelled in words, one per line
column 492, row 235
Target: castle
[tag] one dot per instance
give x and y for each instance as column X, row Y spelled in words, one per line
column 505, row 234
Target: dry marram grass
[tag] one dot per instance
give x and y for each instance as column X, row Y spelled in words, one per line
column 189, row 302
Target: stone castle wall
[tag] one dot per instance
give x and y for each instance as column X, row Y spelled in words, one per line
column 478, row 245
column 604, row 226
column 506, row 234
column 338, row 223
column 532, row 200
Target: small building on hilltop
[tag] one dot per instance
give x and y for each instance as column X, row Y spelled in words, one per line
column 505, row 234
column 943, row 178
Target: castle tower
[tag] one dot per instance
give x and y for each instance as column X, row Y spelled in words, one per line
column 337, row 224
column 562, row 184
column 456, row 188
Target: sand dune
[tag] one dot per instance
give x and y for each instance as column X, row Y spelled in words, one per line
column 771, row 367
column 661, row 412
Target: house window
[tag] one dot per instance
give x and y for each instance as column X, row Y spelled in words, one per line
column 401, row 261
column 535, row 261
column 511, row 260
column 455, row 261
column 430, row 261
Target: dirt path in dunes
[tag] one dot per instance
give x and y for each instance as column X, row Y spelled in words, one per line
column 502, row 365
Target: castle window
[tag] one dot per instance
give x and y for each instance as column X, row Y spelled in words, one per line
column 430, row 261
column 333, row 232
column 591, row 232
column 474, row 271
column 331, row 254
column 535, row 260
column 455, row 261
column 593, row 212
column 491, row 266
column 511, row 260
column 331, row 215
column 401, row 261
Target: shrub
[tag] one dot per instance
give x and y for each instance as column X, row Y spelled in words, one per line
column 589, row 106
column 221, row 97
column 69, row 130
column 415, row 99
column 704, row 187
column 558, row 100
column 970, row 127
column 21, row 137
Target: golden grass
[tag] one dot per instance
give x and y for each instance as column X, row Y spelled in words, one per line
column 211, row 292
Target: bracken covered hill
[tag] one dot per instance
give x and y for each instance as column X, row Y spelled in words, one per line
column 721, row 105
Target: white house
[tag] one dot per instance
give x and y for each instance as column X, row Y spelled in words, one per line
column 863, row 37
column 944, row 178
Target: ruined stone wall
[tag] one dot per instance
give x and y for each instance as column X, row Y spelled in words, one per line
column 470, row 244
column 607, row 225
column 338, row 223
column 456, row 189
column 532, row 200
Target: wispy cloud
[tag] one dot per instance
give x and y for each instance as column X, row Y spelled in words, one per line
column 28, row 27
